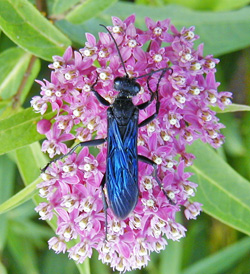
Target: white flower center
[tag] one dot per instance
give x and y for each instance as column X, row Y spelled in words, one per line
column 48, row 92
column 61, row 125
column 56, row 65
column 188, row 57
column 189, row 34
column 171, row 195
column 157, row 58
column 82, row 251
column 196, row 91
column 132, row 43
column 90, row 126
column 86, row 88
column 151, row 127
column 196, row 66
column 212, row 99
column 190, row 191
column 87, row 167
column 211, row 64
column 66, row 168
column 116, row 29
column 103, row 76
column 157, row 31
column 158, row 160
column 58, row 93
column 83, row 223
column 68, row 76
column 102, row 54
column 150, row 203
column 87, row 52
column 76, row 113
column 181, row 99
column 50, row 150
column 172, row 121
column 170, row 164
column 45, row 176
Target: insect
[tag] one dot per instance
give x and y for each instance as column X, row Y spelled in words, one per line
column 121, row 177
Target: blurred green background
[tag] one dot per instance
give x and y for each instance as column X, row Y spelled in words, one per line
column 224, row 26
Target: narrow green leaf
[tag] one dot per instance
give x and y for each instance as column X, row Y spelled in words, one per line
column 26, row 26
column 22, row 250
column 88, row 9
column 30, row 160
column 220, row 262
column 22, row 196
column 222, row 191
column 231, row 108
column 13, row 64
column 7, row 175
column 170, row 258
column 233, row 135
column 230, row 4
column 58, row 263
column 20, row 130
column 61, row 6
column 3, row 270
column 221, row 5
column 30, row 80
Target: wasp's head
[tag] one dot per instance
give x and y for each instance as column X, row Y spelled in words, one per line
column 128, row 87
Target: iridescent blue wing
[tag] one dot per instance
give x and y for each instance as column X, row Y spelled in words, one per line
column 122, row 167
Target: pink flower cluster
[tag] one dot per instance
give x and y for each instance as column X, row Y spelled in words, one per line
column 71, row 186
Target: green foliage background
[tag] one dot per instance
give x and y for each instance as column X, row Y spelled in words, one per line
column 33, row 31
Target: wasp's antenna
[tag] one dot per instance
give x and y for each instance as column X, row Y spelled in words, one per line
column 116, row 48
column 154, row 71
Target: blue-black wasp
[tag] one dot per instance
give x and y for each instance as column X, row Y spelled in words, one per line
column 121, row 177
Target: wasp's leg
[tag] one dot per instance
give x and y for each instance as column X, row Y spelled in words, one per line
column 82, row 144
column 102, row 100
column 150, row 118
column 157, row 105
column 105, row 205
column 152, row 163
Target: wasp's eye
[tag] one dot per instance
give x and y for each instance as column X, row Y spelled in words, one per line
column 137, row 88
column 117, row 83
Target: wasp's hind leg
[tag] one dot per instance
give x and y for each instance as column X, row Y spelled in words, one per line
column 154, row 165
column 82, row 144
column 105, row 205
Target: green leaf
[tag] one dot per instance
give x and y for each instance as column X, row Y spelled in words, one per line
column 230, row 4
column 31, row 157
column 220, row 262
column 222, row 191
column 30, row 80
column 170, row 258
column 200, row 5
column 233, row 135
column 22, row 196
column 13, row 64
column 20, row 130
column 61, row 6
column 22, row 250
column 7, row 175
column 26, row 26
column 3, row 270
column 232, row 108
column 87, row 10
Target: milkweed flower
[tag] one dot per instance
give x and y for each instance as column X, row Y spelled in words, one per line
column 71, row 185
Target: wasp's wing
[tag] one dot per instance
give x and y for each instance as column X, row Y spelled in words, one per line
column 122, row 168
